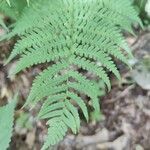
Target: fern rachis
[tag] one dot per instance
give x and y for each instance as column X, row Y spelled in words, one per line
column 72, row 34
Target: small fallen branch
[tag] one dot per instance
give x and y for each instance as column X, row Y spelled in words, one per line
column 81, row 142
column 120, row 143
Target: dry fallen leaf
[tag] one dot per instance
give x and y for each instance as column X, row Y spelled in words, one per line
column 30, row 139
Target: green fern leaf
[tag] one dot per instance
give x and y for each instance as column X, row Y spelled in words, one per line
column 73, row 35
column 6, row 125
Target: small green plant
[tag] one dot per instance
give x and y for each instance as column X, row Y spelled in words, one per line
column 71, row 35
column 23, row 121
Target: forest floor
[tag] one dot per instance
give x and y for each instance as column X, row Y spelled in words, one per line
column 125, row 119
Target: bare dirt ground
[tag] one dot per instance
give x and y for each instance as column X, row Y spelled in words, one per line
column 124, row 125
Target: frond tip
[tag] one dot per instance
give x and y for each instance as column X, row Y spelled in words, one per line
column 73, row 35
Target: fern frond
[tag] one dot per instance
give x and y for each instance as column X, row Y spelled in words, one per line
column 74, row 35
column 6, row 124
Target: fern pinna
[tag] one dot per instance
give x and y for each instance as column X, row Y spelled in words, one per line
column 73, row 35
